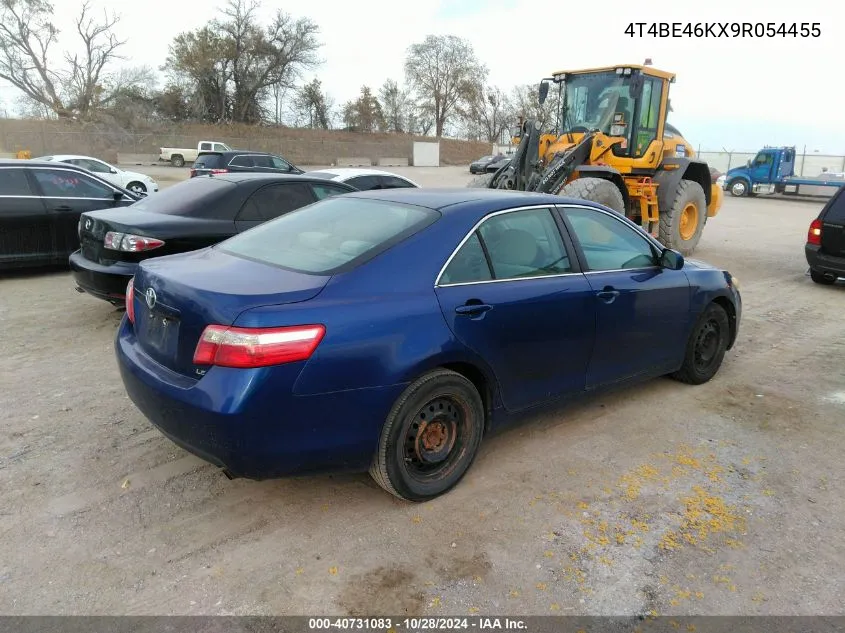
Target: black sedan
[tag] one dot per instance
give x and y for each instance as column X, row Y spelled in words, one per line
column 479, row 166
column 40, row 205
column 191, row 215
column 241, row 161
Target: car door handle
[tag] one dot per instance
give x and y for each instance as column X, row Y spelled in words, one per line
column 473, row 309
column 608, row 295
column 63, row 207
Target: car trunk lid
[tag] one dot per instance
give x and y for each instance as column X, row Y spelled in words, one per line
column 833, row 237
column 177, row 297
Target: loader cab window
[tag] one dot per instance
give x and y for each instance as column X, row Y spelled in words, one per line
column 598, row 101
column 649, row 114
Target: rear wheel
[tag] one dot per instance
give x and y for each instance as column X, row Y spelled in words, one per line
column 595, row 190
column 480, row 182
column 821, row 278
column 430, row 437
column 682, row 224
column 706, row 347
column 177, row 160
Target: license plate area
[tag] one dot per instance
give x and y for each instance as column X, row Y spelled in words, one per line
column 160, row 335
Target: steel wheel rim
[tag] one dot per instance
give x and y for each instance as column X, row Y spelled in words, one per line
column 738, row 188
column 434, row 441
column 706, row 346
column 689, row 221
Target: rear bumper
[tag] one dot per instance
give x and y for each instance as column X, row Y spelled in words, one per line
column 249, row 421
column 824, row 263
column 104, row 282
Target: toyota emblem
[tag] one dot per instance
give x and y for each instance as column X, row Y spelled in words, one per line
column 150, row 296
column 87, row 224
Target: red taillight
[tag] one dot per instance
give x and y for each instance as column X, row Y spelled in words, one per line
column 130, row 303
column 256, row 347
column 130, row 243
column 193, row 173
column 814, row 235
column 219, row 171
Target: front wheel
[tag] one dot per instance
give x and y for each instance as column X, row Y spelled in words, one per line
column 706, row 347
column 738, row 188
column 681, row 225
column 481, row 182
column 430, row 437
column 137, row 187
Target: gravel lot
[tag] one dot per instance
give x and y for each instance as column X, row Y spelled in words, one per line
column 665, row 498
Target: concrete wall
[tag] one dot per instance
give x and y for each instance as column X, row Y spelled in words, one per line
column 301, row 146
column 426, row 154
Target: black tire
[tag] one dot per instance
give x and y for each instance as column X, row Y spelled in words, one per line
column 400, row 464
column 137, row 187
column 821, row 278
column 674, row 231
column 706, row 346
column 177, row 160
column 480, row 182
column 738, row 188
column 595, row 190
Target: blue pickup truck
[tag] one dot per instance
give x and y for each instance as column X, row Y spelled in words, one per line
column 772, row 171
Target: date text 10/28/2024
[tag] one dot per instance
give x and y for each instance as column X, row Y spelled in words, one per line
column 394, row 625
column 724, row 29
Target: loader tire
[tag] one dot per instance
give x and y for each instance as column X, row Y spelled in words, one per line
column 681, row 224
column 595, row 190
column 480, row 182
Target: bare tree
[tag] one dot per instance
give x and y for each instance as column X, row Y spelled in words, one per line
column 525, row 104
column 364, row 114
column 445, row 72
column 100, row 46
column 396, row 106
column 488, row 115
column 26, row 36
column 313, row 105
column 75, row 89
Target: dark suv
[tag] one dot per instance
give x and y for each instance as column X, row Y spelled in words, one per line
column 40, row 206
column 825, row 247
column 241, row 161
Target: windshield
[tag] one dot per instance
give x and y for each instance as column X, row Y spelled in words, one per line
column 330, row 235
column 591, row 100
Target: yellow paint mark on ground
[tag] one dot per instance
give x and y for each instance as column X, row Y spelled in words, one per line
column 416, row 519
column 300, row 571
column 549, row 554
column 554, row 607
column 514, row 593
column 436, row 602
column 541, row 586
column 333, row 571
column 473, row 610
column 583, row 505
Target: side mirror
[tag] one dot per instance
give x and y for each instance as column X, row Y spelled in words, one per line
column 544, row 92
column 113, row 170
column 118, row 196
column 672, row 260
column 748, row 163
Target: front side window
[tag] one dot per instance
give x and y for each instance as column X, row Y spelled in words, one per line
column 278, row 163
column 70, row 184
column 608, row 243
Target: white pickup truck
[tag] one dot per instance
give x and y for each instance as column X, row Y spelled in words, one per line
column 178, row 156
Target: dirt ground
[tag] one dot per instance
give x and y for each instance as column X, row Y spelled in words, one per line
column 664, row 498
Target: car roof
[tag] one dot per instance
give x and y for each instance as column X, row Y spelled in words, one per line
column 350, row 172
column 235, row 152
column 28, row 162
column 450, row 200
column 236, row 177
column 74, row 156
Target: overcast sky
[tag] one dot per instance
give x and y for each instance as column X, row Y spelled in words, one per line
column 734, row 93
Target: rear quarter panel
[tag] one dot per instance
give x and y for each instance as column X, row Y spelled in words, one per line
column 384, row 325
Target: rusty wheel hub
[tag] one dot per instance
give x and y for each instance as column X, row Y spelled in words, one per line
column 432, row 435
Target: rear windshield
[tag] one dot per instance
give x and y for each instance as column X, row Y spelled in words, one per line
column 328, row 175
column 330, row 236
column 185, row 198
column 208, row 161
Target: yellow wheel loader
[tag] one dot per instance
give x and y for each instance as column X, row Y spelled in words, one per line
column 612, row 145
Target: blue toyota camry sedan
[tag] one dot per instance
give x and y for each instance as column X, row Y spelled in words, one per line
column 390, row 330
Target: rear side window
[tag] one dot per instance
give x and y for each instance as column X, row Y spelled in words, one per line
column 836, row 209
column 209, row 161
column 271, row 202
column 364, row 183
column 13, row 182
column 394, row 182
column 242, row 161
column 324, row 191
column 64, row 183
column 331, row 235
column 195, row 196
